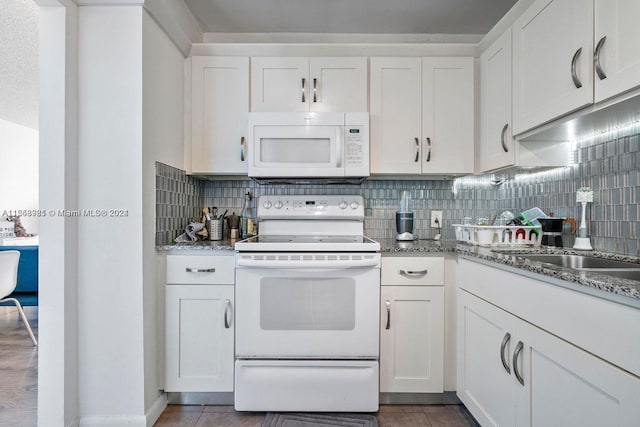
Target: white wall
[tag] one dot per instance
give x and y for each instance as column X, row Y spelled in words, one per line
column 19, row 171
column 163, row 134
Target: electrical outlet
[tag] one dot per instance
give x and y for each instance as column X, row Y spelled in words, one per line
column 436, row 219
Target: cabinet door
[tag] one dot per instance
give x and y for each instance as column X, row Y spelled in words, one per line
column 396, row 115
column 568, row 386
column 546, row 40
column 338, row 84
column 496, row 143
column 279, row 84
column 447, row 115
column 220, row 107
column 412, row 339
column 199, row 338
column 619, row 54
column 484, row 342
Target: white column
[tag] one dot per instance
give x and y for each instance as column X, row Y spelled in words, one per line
column 58, row 394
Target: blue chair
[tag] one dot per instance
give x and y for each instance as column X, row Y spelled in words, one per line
column 8, row 280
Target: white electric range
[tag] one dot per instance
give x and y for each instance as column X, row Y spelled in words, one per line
column 307, row 308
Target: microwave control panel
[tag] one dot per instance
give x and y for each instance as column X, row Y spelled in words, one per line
column 356, row 144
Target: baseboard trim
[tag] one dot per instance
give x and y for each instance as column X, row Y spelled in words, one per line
column 156, row 409
column 446, row 398
column 204, row 398
column 200, row 398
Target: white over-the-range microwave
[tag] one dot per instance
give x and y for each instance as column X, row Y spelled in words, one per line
column 308, row 145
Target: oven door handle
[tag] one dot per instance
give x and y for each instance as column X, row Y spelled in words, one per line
column 271, row 264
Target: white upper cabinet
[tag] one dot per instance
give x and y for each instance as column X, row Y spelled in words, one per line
column 496, row 143
column 422, row 115
column 338, row 84
column 219, row 113
column 396, row 115
column 552, row 61
column 447, row 115
column 308, row 84
column 497, row 148
column 617, row 39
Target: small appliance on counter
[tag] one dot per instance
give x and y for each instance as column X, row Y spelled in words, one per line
column 552, row 230
column 404, row 218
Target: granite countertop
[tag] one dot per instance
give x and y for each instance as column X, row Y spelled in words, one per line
column 200, row 245
column 503, row 256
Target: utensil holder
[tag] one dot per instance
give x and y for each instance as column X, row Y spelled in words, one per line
column 215, row 228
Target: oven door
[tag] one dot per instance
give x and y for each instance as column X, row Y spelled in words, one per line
column 323, row 313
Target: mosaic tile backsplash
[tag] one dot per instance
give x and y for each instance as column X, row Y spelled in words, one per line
column 178, row 202
column 610, row 165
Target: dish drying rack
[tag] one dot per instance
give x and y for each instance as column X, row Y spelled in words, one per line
column 494, row 235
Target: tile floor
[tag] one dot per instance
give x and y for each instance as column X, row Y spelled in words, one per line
column 388, row 416
column 18, row 368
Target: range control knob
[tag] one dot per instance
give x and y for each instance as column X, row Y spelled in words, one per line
column 342, row 204
column 267, row 205
column 354, row 205
column 278, row 205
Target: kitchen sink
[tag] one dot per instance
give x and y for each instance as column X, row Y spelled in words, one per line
column 580, row 262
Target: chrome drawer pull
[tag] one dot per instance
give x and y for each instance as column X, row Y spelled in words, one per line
column 413, row 273
column 227, row 310
column 200, row 270
column 574, row 76
column 516, row 353
column 504, row 144
column 315, row 90
column 388, row 304
column 505, row 341
column 596, row 59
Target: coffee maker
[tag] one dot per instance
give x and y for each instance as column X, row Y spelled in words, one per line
column 404, row 218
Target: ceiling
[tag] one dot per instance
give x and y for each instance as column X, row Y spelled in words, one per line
column 19, row 62
column 349, row 16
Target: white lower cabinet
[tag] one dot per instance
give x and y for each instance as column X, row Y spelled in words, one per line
column 512, row 373
column 412, row 325
column 199, row 324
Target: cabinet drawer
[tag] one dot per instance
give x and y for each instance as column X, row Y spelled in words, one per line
column 200, row 269
column 403, row 271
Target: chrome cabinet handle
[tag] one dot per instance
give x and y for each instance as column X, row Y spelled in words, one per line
column 574, row 76
column 502, row 141
column 516, row 353
column 417, row 150
column 243, row 144
column 429, row 151
column 227, row 310
column 200, row 270
column 505, row 341
column 596, row 59
column 388, row 304
column 315, row 92
column 303, row 83
column 413, row 273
